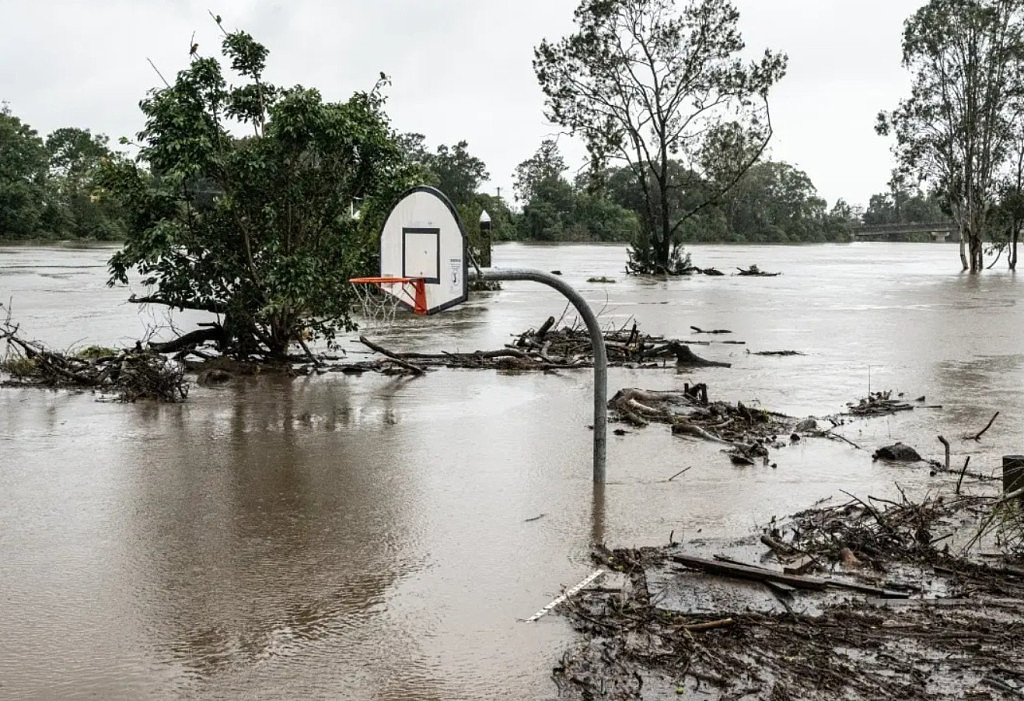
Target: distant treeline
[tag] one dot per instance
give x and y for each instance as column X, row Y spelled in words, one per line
column 774, row 202
column 48, row 190
column 47, row 187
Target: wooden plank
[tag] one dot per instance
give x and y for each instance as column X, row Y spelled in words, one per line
column 762, row 575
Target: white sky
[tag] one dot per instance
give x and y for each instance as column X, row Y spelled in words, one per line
column 461, row 69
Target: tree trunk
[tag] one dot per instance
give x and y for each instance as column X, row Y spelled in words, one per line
column 1014, row 236
column 977, row 253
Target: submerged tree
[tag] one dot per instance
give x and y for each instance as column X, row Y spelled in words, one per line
column 955, row 129
column 256, row 228
column 646, row 83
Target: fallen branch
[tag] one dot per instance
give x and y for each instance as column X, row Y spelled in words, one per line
column 977, row 436
column 415, row 369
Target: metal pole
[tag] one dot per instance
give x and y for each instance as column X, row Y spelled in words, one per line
column 596, row 341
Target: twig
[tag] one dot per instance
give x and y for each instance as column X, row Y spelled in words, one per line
column 842, row 438
column 721, row 623
column 158, row 72
column 960, row 481
column 871, row 509
column 678, row 473
column 978, row 435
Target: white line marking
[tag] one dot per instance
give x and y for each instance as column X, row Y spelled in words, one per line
column 596, row 574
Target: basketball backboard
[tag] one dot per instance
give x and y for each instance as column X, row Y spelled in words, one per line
column 423, row 238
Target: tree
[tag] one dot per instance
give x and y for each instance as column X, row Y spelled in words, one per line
column 451, row 169
column 556, row 210
column 76, row 208
column 903, row 206
column 459, row 174
column 645, row 83
column 22, row 176
column 775, row 202
column 954, row 129
column 538, row 172
column 256, row 228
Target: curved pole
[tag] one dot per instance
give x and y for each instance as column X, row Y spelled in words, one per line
column 596, row 340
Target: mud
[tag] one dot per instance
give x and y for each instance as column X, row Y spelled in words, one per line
column 952, row 628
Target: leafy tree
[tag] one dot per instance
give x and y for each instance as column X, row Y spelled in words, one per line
column 645, row 83
column 77, row 209
column 542, row 170
column 903, row 206
column 556, row 210
column 255, row 228
column 955, row 128
column 22, row 174
column 451, row 169
column 459, row 174
column 775, row 202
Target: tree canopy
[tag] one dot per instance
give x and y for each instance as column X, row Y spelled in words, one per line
column 645, row 83
column 22, row 177
column 241, row 197
column 956, row 129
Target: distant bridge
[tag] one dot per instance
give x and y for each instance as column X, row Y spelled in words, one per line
column 939, row 231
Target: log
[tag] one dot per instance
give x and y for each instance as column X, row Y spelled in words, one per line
column 685, row 356
column 415, row 369
column 192, row 339
column 687, row 429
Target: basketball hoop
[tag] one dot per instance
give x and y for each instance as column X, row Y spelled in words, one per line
column 380, row 297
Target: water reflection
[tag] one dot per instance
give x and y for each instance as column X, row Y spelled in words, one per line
column 271, row 533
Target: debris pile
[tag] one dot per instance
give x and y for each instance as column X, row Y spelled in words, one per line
column 748, row 432
column 879, row 404
column 894, row 614
column 549, row 347
column 129, row 374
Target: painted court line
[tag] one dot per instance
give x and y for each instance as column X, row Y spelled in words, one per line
column 596, row 574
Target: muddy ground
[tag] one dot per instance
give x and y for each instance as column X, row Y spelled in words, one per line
column 853, row 600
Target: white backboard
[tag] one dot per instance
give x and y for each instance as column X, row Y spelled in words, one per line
column 423, row 238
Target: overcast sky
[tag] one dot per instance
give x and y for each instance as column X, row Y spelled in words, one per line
column 461, row 69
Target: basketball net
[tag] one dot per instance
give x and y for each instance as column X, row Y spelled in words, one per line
column 379, row 298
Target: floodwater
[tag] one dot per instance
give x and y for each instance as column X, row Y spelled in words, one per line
column 378, row 538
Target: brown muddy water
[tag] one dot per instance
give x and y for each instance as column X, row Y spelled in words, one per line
column 376, row 538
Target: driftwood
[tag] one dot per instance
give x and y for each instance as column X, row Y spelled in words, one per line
column 685, row 356
column 130, row 374
column 754, row 271
column 414, row 369
column 878, row 404
column 977, row 436
column 780, row 352
column 748, row 432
